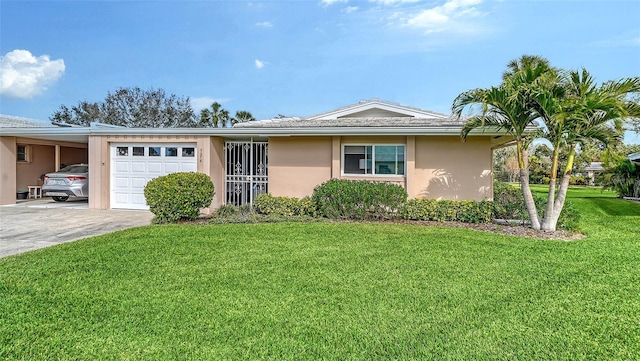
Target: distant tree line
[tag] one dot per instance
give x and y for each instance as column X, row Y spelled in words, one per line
column 138, row 108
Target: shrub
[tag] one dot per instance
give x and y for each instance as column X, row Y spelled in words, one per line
column 283, row 206
column 247, row 214
column 178, row 196
column 578, row 180
column 349, row 199
column 509, row 204
column 446, row 210
column 623, row 177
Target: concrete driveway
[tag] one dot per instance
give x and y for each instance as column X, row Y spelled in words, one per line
column 41, row 223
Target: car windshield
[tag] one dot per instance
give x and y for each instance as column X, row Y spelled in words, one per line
column 75, row 169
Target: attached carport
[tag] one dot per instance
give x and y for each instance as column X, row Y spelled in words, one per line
column 26, row 153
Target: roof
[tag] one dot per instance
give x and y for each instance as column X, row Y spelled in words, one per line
column 634, row 157
column 367, row 118
column 8, row 121
column 373, row 113
column 390, row 122
column 594, row 166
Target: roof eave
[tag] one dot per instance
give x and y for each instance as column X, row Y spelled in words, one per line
column 303, row 131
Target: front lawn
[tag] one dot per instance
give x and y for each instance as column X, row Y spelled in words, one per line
column 329, row 291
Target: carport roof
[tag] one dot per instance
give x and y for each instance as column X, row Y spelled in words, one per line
column 8, row 121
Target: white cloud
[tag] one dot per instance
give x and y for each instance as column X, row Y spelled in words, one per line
column 394, row 2
column 331, row 2
column 205, row 102
column 453, row 15
column 259, row 64
column 24, row 75
column 350, row 9
column 264, row 24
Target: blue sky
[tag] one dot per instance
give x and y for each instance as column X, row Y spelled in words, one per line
column 298, row 58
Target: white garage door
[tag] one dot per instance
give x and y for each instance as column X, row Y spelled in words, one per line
column 133, row 165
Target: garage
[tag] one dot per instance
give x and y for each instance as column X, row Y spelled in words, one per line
column 133, row 165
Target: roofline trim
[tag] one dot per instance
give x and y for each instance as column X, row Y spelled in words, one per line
column 304, row 131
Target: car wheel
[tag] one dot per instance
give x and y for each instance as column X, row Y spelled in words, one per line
column 60, row 199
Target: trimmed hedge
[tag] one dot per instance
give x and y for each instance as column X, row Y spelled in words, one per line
column 350, row 199
column 448, row 211
column 178, row 196
column 284, row 206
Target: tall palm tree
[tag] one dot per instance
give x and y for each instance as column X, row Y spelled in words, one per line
column 508, row 107
column 216, row 117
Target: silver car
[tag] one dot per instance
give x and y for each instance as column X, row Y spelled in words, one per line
column 70, row 181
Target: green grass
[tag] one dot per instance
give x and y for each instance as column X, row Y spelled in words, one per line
column 330, row 291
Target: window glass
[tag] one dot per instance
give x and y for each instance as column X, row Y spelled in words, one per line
column 22, row 153
column 138, row 151
column 374, row 159
column 171, row 152
column 122, row 151
column 389, row 159
column 188, row 152
column 154, row 151
column 357, row 159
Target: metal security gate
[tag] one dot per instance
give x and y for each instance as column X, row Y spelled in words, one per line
column 246, row 171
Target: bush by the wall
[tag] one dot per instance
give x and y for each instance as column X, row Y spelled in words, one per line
column 283, row 206
column 446, row 210
column 178, row 196
column 509, row 202
column 350, row 199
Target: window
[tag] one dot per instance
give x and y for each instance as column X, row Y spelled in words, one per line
column 154, row 151
column 138, row 151
column 170, row 152
column 122, row 151
column 22, row 155
column 373, row 159
column 188, row 152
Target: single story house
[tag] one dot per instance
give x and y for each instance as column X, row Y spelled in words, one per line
column 374, row 140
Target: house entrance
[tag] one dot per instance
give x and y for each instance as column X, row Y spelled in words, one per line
column 246, row 171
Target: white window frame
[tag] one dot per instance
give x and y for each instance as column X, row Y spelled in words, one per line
column 27, row 152
column 373, row 162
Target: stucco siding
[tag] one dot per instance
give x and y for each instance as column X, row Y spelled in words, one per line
column 447, row 168
column 298, row 164
column 209, row 153
column 41, row 160
column 7, row 170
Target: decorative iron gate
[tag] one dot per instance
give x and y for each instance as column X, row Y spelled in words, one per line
column 246, row 173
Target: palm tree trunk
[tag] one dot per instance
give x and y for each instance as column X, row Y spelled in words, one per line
column 552, row 187
column 551, row 219
column 524, row 184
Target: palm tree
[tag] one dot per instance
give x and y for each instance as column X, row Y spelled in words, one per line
column 215, row 117
column 572, row 107
column 508, row 107
column 242, row 116
column 581, row 112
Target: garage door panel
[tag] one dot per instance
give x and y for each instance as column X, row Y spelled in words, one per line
column 122, row 198
column 172, row 167
column 138, row 183
column 122, row 166
column 122, row 182
column 189, row 167
column 154, row 167
column 139, row 200
column 132, row 170
column 139, row 167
